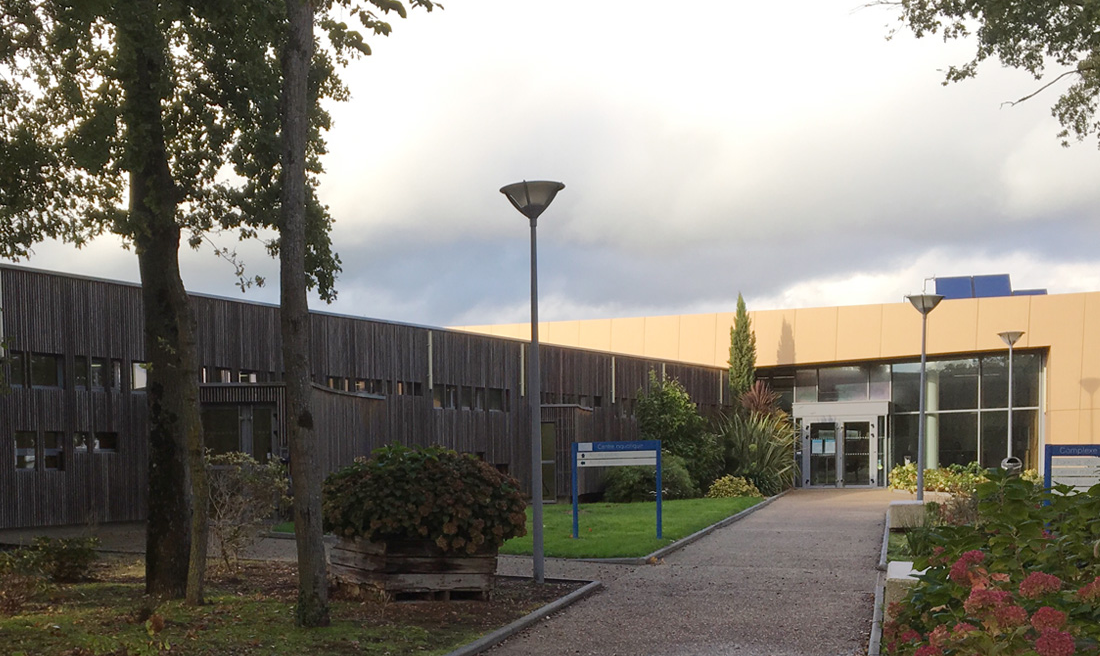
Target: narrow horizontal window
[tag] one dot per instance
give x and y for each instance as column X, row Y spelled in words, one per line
column 106, row 441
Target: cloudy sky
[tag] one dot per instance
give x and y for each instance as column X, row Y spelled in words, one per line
column 787, row 150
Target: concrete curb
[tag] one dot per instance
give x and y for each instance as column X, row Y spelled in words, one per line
column 500, row 635
column 685, row 541
column 874, row 643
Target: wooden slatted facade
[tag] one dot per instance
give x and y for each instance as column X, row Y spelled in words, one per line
column 394, row 383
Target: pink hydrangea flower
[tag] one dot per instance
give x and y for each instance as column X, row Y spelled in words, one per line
column 1010, row 616
column 938, row 636
column 962, row 629
column 929, row 650
column 909, row 636
column 1038, row 584
column 1090, row 592
column 1048, row 619
column 960, row 571
column 1055, row 643
column 981, row 599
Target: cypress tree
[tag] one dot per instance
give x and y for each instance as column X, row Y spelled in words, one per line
column 742, row 352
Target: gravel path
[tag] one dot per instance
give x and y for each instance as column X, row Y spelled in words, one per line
column 795, row 578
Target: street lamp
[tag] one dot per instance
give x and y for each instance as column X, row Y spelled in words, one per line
column 924, row 303
column 531, row 199
column 1010, row 337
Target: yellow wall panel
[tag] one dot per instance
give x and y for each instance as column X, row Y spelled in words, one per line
column 1088, row 379
column 662, row 337
column 596, row 334
column 996, row 315
column 815, row 334
column 1089, row 432
column 628, row 335
column 723, row 321
column 1064, row 427
column 564, row 333
column 775, row 344
column 859, row 332
column 900, row 331
column 696, row 333
column 1059, row 321
column 952, row 326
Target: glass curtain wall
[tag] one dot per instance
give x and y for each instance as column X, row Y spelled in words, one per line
column 966, row 403
column 967, row 410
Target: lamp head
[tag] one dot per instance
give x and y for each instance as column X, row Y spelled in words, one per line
column 531, row 198
column 925, row 303
column 1010, row 337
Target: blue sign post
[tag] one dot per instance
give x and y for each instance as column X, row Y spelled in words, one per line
column 615, row 454
column 1077, row 465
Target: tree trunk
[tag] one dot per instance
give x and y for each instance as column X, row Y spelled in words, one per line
column 176, row 533
column 305, row 472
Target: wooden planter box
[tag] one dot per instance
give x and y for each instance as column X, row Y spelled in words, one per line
column 410, row 569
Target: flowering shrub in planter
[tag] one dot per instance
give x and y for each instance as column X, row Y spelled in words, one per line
column 459, row 503
column 1025, row 580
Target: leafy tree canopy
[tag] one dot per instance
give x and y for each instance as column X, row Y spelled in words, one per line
column 1032, row 35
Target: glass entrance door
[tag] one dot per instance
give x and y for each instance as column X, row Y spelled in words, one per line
column 857, row 452
column 823, row 455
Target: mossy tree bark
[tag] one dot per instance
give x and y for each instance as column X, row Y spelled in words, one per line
column 176, row 533
column 312, row 609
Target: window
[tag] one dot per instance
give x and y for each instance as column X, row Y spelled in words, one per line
column 496, row 399
column 106, row 441
column 26, row 447
column 82, row 441
column 106, row 374
column 842, row 384
column 805, row 386
column 223, row 375
column 360, row 385
column 139, row 376
column 47, row 370
column 417, row 389
column 247, row 377
column 479, row 398
column 18, row 370
column 80, row 371
column 467, row 397
column 53, row 450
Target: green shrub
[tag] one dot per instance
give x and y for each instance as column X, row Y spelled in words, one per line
column 955, row 479
column 666, row 412
column 20, row 578
column 630, row 484
column 732, row 486
column 427, row 493
column 64, row 560
column 244, row 494
column 759, row 448
column 1025, row 579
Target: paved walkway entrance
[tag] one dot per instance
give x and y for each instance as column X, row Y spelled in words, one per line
column 794, row 579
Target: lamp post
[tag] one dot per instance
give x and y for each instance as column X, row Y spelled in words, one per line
column 1010, row 337
column 531, row 199
column 924, row 303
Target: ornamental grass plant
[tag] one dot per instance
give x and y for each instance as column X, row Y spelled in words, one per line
column 1024, row 580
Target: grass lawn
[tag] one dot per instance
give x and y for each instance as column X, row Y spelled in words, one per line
column 623, row 530
column 247, row 614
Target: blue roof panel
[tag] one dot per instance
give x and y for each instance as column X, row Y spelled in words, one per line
column 956, row 287
column 992, row 286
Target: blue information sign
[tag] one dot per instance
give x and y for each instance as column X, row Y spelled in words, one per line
column 615, row 454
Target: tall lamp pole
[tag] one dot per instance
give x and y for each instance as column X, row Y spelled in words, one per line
column 1010, row 337
column 924, row 303
column 531, row 199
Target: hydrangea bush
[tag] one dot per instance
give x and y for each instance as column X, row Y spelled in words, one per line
column 1025, row 580
column 460, row 503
